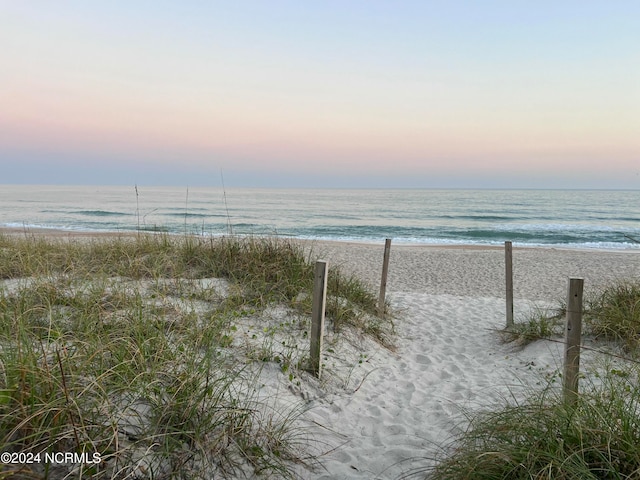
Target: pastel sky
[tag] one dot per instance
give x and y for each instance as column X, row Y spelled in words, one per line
column 313, row 93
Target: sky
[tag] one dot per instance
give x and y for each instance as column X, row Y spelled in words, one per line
column 331, row 93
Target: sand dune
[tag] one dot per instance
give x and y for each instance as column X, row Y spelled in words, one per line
column 449, row 303
column 385, row 413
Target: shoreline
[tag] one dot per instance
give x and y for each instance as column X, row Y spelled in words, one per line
column 61, row 232
column 539, row 273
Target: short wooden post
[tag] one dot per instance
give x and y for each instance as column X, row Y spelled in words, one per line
column 572, row 339
column 383, row 281
column 317, row 316
column 508, row 262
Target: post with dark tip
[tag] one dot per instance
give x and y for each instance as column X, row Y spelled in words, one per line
column 572, row 338
column 317, row 316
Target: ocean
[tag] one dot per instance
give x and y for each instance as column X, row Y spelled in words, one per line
column 601, row 219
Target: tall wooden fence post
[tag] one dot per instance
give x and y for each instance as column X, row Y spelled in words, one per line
column 383, row 280
column 573, row 333
column 317, row 316
column 508, row 262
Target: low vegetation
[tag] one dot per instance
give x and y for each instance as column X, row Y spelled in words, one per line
column 614, row 314
column 611, row 314
column 595, row 438
column 542, row 323
column 598, row 437
column 126, row 347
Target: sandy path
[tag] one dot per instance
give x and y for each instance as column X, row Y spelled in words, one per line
column 449, row 359
column 381, row 413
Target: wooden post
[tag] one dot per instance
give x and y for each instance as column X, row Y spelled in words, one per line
column 509, row 280
column 383, row 281
column 572, row 339
column 317, row 315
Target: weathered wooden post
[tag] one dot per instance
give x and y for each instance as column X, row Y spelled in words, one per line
column 383, row 281
column 317, row 316
column 572, row 338
column 508, row 262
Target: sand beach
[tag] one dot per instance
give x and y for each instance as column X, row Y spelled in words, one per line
column 388, row 412
column 449, row 359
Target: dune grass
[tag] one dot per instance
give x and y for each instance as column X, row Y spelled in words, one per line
column 612, row 313
column 121, row 346
column 541, row 324
column 598, row 437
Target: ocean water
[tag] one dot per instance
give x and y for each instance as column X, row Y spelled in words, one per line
column 568, row 218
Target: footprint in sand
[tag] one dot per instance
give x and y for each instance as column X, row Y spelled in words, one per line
column 396, row 429
column 420, row 398
column 406, row 390
column 423, row 359
column 374, row 411
column 403, row 368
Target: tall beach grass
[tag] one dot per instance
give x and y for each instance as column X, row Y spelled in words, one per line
column 123, row 346
column 544, row 437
